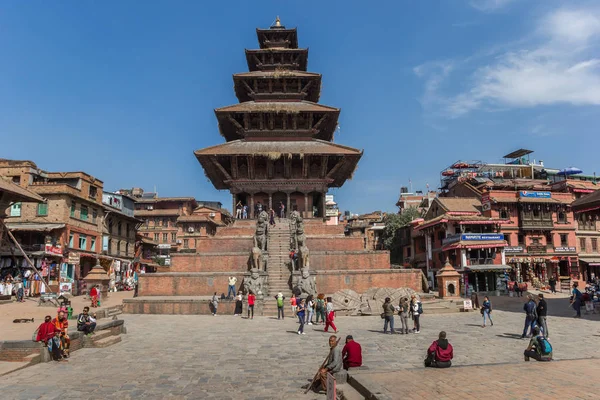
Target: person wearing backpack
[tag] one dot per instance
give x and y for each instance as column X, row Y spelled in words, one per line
column 576, row 300
column 539, row 347
column 416, row 309
column 280, row 298
column 530, row 316
column 320, row 308
column 486, row 310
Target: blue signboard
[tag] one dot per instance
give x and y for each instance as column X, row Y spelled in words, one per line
column 482, row 236
column 537, row 195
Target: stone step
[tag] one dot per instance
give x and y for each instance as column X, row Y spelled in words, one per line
column 34, row 358
column 99, row 335
column 108, row 341
column 347, row 392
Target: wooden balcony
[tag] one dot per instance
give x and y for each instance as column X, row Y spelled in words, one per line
column 544, row 224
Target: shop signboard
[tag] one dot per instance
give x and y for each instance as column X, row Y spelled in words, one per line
column 74, row 258
column 467, row 305
column 164, row 246
column 565, row 249
column 535, row 195
column 331, row 212
column 514, row 249
column 486, row 203
column 66, row 287
column 55, row 250
column 451, row 239
column 482, row 236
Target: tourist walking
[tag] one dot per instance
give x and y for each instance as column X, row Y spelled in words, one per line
column 301, row 312
column 215, row 303
column 542, row 312
column 416, row 309
column 486, row 310
column 280, row 298
column 245, row 212
column 294, row 303
column 232, row 280
column 530, row 316
column 272, row 217
column 310, row 308
column 320, row 309
column 403, row 313
column 388, row 315
column 330, row 316
column 552, row 283
column 576, row 300
column 251, row 300
column 238, row 305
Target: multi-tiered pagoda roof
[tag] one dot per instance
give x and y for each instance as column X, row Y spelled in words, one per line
column 278, row 137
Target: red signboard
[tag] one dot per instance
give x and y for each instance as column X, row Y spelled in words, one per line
column 49, row 249
column 486, row 203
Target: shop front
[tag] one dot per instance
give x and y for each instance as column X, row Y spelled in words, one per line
column 590, row 268
column 491, row 280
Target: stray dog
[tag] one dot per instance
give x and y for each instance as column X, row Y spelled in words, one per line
column 22, row 320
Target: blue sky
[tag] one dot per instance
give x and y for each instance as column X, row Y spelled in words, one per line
column 126, row 90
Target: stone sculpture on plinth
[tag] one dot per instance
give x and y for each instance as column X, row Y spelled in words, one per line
column 255, row 283
column 260, row 235
column 306, row 284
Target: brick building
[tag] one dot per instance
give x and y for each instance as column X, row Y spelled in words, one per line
column 176, row 224
column 66, row 227
column 587, row 214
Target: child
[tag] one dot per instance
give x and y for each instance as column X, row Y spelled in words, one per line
column 294, row 304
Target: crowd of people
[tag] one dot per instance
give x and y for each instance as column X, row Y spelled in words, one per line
column 243, row 212
column 54, row 332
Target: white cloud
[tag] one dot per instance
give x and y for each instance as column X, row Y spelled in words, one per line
column 558, row 67
column 489, row 5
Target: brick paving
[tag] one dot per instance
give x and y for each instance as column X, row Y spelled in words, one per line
column 226, row 357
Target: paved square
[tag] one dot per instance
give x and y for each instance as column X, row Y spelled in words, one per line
column 226, row 357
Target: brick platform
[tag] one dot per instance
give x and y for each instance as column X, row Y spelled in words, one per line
column 185, row 283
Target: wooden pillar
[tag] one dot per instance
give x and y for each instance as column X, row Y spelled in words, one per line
column 233, row 202
column 323, row 204
column 251, row 210
column 306, row 210
column 288, row 204
column 270, row 201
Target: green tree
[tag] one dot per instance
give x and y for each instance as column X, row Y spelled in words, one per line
column 390, row 236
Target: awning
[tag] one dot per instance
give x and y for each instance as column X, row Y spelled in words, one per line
column 486, row 268
column 34, row 227
column 475, row 244
column 592, row 261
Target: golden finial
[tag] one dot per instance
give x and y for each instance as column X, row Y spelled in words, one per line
column 277, row 23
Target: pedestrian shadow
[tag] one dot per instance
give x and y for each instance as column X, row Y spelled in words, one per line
column 294, row 332
column 376, row 331
column 510, row 336
column 477, row 325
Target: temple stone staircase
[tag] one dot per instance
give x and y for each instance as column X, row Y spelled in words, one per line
column 278, row 247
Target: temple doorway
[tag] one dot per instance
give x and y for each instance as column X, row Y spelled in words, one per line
column 317, row 205
column 278, row 199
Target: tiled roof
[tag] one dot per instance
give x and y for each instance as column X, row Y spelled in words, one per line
column 19, row 193
column 460, row 204
column 159, row 199
column 157, row 213
column 243, row 147
column 197, row 218
column 277, row 106
column 591, row 200
column 459, row 218
column 277, row 74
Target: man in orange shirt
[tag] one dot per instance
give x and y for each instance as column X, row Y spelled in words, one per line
column 62, row 324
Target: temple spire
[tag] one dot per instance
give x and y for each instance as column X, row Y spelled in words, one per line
column 277, row 24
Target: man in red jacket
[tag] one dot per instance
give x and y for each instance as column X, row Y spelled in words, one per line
column 440, row 353
column 351, row 353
